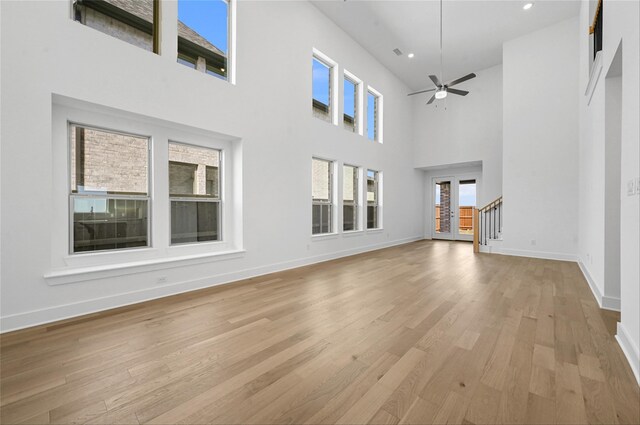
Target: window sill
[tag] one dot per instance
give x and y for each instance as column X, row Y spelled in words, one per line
column 376, row 230
column 324, row 236
column 80, row 274
column 594, row 76
column 350, row 233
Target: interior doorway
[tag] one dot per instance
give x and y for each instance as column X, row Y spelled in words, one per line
column 454, row 198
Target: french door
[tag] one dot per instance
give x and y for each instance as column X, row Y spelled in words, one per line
column 454, row 198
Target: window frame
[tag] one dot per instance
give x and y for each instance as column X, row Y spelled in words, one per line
column 357, row 203
column 378, row 115
column 377, row 204
column 331, row 202
column 231, row 48
column 333, row 85
column 72, row 196
column 219, row 200
column 358, row 101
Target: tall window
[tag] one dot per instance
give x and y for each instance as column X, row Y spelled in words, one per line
column 133, row 21
column 350, row 116
column 350, row 198
column 322, row 76
column 203, row 35
column 194, row 189
column 109, row 189
column 373, row 199
column 372, row 116
column 322, row 196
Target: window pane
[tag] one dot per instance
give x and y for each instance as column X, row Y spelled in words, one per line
column 194, row 171
column 372, row 116
column 128, row 20
column 321, row 89
column 466, row 203
column 372, row 217
column 349, row 217
column 203, row 31
column 350, row 184
column 372, row 186
column 100, row 224
column 321, row 180
column 106, row 162
column 321, row 219
column 350, row 104
column 194, row 221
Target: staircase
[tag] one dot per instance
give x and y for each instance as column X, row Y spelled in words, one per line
column 487, row 236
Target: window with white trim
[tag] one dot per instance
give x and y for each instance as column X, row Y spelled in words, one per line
column 373, row 200
column 350, row 105
column 109, row 197
column 350, row 198
column 374, row 115
column 322, row 88
column 203, row 35
column 194, row 192
column 322, row 196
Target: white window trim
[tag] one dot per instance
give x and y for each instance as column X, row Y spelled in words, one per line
column 67, row 268
column 359, row 101
column 333, row 232
column 379, row 130
column 333, row 82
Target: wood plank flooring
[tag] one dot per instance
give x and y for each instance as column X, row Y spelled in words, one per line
column 426, row 332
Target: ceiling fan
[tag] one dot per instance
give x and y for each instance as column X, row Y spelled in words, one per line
column 441, row 89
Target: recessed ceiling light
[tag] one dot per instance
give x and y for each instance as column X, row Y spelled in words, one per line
column 527, row 6
column 410, row 55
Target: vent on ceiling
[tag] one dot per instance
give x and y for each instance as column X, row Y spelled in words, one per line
column 397, row 51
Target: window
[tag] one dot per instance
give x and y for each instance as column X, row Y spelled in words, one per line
column 321, row 90
column 322, row 196
column 373, row 116
column 203, row 36
column 350, row 198
column 109, row 189
column 194, row 191
column 373, row 199
column 350, row 104
column 133, row 21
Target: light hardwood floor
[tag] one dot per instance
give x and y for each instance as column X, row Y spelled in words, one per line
column 421, row 333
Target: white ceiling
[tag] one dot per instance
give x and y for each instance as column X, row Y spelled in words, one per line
column 473, row 31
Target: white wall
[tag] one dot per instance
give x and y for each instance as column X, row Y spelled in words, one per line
column 540, row 145
column 44, row 53
column 621, row 26
column 464, row 129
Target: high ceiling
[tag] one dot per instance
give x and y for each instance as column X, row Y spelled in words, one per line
column 473, row 31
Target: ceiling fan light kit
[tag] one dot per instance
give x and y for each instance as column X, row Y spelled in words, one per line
column 442, row 90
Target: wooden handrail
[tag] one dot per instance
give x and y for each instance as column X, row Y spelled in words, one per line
column 592, row 28
column 491, row 204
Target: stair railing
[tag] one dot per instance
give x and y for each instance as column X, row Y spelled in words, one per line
column 487, row 223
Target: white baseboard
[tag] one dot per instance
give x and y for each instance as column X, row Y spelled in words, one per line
column 68, row 311
column 539, row 254
column 630, row 350
column 605, row 302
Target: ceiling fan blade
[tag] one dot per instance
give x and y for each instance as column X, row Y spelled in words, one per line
column 458, row 92
column 421, row 91
column 462, row 79
column 435, row 80
column 431, row 100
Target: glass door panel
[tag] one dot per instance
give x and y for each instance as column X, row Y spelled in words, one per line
column 444, row 212
column 466, row 203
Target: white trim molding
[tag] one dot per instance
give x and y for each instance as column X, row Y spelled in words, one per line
column 630, row 350
column 604, row 302
column 558, row 256
column 594, row 76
